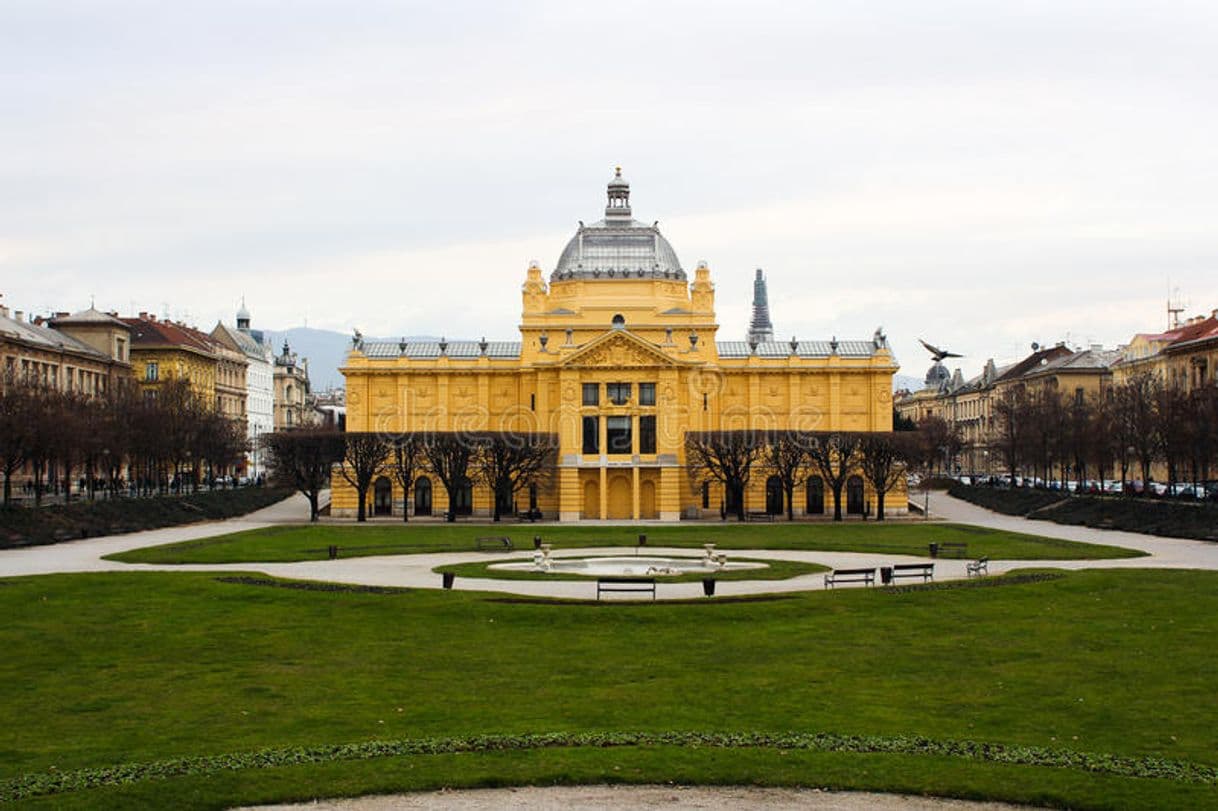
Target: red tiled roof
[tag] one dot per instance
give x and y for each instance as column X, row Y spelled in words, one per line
column 146, row 332
column 1197, row 331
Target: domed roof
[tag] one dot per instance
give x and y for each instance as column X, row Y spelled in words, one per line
column 619, row 246
column 937, row 375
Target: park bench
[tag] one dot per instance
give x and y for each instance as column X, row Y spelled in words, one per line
column 976, row 568
column 640, row 585
column 948, row 550
column 864, row 576
column 926, row 571
column 493, row 542
column 758, row 516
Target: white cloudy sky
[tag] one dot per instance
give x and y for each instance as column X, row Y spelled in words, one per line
column 983, row 174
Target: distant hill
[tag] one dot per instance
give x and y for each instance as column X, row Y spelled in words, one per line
column 325, row 349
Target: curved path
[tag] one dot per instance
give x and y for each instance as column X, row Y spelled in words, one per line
column 415, row 571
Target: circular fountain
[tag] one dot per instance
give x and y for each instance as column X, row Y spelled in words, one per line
column 630, row 565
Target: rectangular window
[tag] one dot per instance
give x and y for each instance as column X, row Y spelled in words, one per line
column 592, row 435
column 150, row 372
column 592, row 394
column 618, row 435
column 618, row 393
column 647, row 433
column 1079, row 396
column 647, row 394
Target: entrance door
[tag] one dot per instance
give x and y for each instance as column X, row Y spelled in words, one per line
column 382, row 497
column 422, row 496
column 463, row 500
column 854, row 495
column 592, row 499
column 815, row 496
column 621, row 501
column 773, row 495
column 647, row 499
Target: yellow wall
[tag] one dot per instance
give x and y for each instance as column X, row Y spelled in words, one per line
column 176, row 364
column 541, row 390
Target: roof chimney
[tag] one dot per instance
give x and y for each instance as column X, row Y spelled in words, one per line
column 143, row 315
column 19, row 315
column 3, row 311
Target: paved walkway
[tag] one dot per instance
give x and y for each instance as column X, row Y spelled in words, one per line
column 415, row 571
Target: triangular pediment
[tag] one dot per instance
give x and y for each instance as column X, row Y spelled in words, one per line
column 619, row 349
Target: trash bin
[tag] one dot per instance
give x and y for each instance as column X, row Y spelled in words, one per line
column 708, row 586
column 537, row 542
column 934, row 550
column 642, row 540
column 886, row 575
column 448, row 578
column 332, row 551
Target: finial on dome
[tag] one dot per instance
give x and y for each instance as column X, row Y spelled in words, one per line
column 618, row 209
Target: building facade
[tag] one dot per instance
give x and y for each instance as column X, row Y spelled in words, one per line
column 291, row 380
column 618, row 356
column 87, row 352
column 259, row 382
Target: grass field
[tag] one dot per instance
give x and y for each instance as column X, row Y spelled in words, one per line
column 774, row 570
column 299, row 542
column 146, row 667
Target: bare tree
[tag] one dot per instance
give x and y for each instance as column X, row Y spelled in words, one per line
column 449, row 455
column 1136, row 410
column 1011, row 414
column 882, row 458
column 726, row 457
column 786, row 455
column 363, row 457
column 510, row 462
column 835, row 455
column 303, row 459
column 406, row 460
column 15, row 416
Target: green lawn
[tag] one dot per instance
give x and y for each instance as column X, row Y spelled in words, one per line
column 102, row 669
column 774, row 570
column 301, row 542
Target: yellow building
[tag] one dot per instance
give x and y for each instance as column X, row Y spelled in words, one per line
column 163, row 350
column 618, row 357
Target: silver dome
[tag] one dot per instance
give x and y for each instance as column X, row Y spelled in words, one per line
column 618, row 247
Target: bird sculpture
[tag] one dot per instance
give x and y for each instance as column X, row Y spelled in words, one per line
column 937, row 353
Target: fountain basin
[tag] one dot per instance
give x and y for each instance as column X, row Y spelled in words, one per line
column 629, row 566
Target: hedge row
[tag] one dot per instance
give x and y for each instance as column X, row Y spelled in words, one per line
column 53, row 523
column 47, row 783
column 1172, row 519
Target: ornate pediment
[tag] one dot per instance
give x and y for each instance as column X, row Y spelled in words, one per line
column 619, row 349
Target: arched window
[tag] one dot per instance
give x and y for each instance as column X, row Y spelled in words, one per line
column 773, row 495
column 854, row 495
column 815, row 495
column 422, row 496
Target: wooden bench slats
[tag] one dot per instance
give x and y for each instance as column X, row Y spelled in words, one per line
column 640, row 585
column 864, row 576
column 493, row 542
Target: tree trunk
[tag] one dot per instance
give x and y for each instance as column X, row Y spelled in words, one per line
column 879, row 504
column 790, row 501
column 837, row 502
column 313, row 510
column 362, row 511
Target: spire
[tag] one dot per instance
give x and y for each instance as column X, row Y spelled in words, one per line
column 243, row 317
column 760, row 328
column 618, row 208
